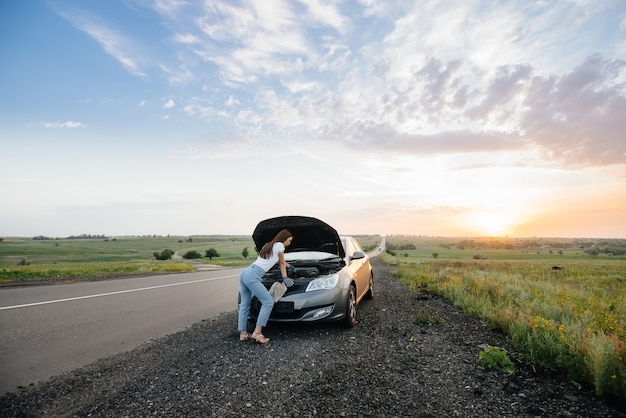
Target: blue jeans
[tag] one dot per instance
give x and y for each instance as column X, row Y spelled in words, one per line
column 250, row 285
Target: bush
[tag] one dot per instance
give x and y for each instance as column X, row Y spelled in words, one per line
column 164, row 255
column 189, row 255
column 496, row 358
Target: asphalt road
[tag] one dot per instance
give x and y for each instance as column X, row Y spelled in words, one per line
column 48, row 330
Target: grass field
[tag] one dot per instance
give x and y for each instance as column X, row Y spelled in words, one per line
column 562, row 302
column 27, row 259
column 105, row 257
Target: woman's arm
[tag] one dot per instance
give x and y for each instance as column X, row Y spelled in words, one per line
column 283, row 264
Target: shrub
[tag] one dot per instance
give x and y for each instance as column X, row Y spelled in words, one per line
column 496, row 358
column 164, row 255
column 189, row 255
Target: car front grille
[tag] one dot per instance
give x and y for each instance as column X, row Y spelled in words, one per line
column 281, row 310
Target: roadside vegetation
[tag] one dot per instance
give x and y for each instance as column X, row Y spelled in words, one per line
column 562, row 302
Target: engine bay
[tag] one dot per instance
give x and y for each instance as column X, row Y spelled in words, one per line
column 307, row 269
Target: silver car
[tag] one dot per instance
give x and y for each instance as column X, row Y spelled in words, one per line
column 332, row 274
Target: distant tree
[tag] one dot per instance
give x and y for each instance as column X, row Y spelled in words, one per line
column 24, row 262
column 210, row 253
column 189, row 255
column 435, row 255
column 163, row 255
column 245, row 252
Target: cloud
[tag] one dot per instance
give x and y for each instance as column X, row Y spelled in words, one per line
column 326, row 14
column 186, row 39
column 260, row 40
column 429, row 78
column 113, row 42
column 169, row 7
column 440, row 82
column 578, row 118
column 69, row 124
column 232, row 101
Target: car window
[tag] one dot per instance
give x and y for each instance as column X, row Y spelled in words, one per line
column 351, row 247
column 357, row 247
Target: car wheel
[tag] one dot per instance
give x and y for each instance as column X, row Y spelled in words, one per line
column 350, row 319
column 370, row 291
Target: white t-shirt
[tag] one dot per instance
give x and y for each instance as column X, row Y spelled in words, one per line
column 268, row 263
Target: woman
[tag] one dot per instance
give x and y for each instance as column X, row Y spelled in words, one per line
column 250, row 285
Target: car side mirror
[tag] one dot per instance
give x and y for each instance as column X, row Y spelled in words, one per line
column 357, row 255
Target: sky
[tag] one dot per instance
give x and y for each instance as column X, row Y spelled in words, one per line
column 439, row 118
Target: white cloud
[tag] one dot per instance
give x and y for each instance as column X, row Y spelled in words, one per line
column 169, row 7
column 232, row 101
column 169, row 104
column 181, row 76
column 186, row 39
column 327, row 14
column 69, row 124
column 113, row 42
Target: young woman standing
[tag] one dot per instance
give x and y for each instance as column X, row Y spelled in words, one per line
column 250, row 285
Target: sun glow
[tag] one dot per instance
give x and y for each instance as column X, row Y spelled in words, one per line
column 493, row 223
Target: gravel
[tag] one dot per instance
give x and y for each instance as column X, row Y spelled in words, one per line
column 385, row 366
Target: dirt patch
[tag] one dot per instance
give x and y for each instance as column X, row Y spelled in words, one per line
column 386, row 366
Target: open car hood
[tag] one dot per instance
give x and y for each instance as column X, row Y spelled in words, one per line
column 309, row 234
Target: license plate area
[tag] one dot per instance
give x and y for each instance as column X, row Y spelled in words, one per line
column 283, row 307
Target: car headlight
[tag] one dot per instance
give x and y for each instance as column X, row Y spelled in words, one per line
column 323, row 283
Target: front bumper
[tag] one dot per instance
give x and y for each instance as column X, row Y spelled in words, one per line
column 300, row 306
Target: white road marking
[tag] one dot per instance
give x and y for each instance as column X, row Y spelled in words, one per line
column 113, row 293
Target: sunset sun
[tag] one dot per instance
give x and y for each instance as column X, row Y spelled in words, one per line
column 493, row 223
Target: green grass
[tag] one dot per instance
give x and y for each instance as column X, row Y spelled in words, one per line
column 571, row 319
column 106, row 257
column 98, row 258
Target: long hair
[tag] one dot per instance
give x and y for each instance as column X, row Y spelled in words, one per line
column 266, row 251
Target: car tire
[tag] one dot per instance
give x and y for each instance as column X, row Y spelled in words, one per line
column 370, row 290
column 350, row 319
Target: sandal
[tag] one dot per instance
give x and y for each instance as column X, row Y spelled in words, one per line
column 259, row 338
column 244, row 337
